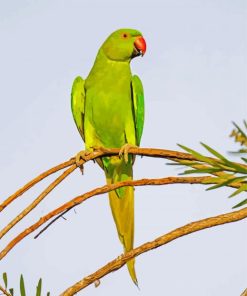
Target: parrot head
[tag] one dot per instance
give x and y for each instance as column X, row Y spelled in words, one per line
column 124, row 45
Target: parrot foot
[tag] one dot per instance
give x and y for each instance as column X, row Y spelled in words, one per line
column 124, row 151
column 80, row 159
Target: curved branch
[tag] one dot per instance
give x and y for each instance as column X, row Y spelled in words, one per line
column 100, row 190
column 162, row 240
column 37, row 200
column 36, row 180
column 101, row 152
column 150, row 152
column 205, row 180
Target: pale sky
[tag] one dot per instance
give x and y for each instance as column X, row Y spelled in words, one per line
column 195, row 80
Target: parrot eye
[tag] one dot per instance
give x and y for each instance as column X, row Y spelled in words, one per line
column 125, row 35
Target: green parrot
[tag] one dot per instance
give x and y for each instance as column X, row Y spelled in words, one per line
column 108, row 109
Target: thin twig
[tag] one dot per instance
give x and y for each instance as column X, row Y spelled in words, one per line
column 31, row 183
column 37, row 200
column 51, row 222
column 5, row 292
column 162, row 240
column 81, row 198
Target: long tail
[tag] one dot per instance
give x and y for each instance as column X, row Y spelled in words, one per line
column 122, row 205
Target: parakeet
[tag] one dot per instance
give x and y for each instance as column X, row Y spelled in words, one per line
column 108, row 109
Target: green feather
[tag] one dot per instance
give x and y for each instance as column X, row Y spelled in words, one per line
column 138, row 101
column 77, row 104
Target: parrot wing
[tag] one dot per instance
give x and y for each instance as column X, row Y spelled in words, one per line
column 77, row 104
column 78, row 108
column 138, row 103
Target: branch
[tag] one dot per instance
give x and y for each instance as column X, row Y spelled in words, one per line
column 100, row 190
column 5, row 292
column 149, row 152
column 36, row 180
column 93, row 155
column 162, row 240
column 205, row 180
column 37, row 200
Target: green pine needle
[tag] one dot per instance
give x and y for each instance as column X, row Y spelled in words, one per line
column 240, row 189
column 5, row 280
column 22, row 286
column 240, row 204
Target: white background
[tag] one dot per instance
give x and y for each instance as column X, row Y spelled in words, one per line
column 194, row 74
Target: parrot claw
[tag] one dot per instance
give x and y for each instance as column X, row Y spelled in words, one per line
column 80, row 159
column 125, row 151
column 97, row 148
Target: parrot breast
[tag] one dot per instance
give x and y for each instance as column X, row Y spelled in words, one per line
column 108, row 103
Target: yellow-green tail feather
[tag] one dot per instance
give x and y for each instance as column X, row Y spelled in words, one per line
column 122, row 207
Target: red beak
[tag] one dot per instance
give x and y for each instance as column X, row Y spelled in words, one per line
column 140, row 45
